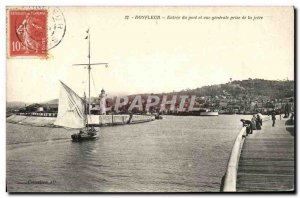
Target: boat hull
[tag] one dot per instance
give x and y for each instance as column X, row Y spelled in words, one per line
column 209, row 113
column 85, row 134
column 82, row 137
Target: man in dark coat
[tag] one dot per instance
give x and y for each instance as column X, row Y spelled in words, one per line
column 248, row 125
column 273, row 119
column 258, row 122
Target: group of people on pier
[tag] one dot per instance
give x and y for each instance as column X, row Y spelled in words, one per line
column 256, row 122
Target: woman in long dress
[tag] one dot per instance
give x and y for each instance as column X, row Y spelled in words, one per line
column 258, row 122
column 253, row 120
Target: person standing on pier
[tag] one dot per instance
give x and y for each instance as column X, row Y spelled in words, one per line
column 253, row 120
column 273, row 119
column 258, row 122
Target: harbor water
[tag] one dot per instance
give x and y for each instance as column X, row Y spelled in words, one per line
column 176, row 154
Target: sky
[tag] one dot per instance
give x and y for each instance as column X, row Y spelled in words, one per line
column 154, row 56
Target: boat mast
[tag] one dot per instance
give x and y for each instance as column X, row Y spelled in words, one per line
column 89, row 64
column 89, row 70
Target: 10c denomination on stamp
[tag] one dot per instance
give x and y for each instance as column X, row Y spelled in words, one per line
column 28, row 32
column 33, row 32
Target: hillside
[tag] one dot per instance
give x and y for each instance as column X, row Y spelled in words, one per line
column 249, row 88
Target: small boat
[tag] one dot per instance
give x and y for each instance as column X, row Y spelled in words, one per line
column 158, row 116
column 208, row 112
column 85, row 134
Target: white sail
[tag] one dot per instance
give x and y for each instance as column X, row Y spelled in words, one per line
column 70, row 109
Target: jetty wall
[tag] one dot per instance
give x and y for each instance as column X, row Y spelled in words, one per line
column 228, row 183
column 95, row 120
column 107, row 120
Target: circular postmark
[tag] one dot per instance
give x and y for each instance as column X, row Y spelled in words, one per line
column 40, row 30
column 56, row 27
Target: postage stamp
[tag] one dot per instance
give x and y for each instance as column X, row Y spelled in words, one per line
column 33, row 32
column 28, row 32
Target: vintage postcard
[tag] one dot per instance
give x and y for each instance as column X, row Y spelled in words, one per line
column 150, row 99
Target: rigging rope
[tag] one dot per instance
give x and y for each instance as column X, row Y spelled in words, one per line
column 95, row 92
column 94, row 83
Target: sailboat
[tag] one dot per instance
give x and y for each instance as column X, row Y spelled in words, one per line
column 73, row 111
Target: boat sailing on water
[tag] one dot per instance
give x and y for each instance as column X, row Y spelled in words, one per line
column 74, row 111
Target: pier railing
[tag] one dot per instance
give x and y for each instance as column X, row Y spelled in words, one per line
column 230, row 177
